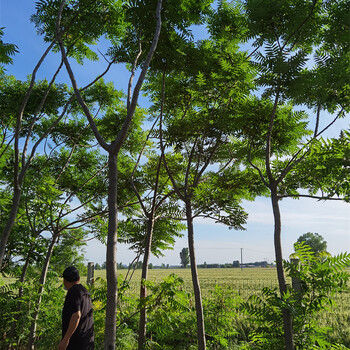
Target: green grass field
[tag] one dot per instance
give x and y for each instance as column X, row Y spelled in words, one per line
column 246, row 281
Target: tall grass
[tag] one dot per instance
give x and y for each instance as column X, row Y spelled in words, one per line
column 246, row 282
column 234, row 282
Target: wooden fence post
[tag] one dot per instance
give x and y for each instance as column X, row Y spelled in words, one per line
column 296, row 283
column 90, row 274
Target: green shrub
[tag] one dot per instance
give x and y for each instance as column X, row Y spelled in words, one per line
column 319, row 279
column 221, row 319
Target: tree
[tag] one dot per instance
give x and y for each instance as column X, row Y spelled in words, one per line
column 47, row 204
column 236, row 264
column 94, row 21
column 159, row 228
column 67, row 172
column 41, row 101
column 197, row 140
column 314, row 240
column 184, row 257
column 73, row 27
column 285, row 35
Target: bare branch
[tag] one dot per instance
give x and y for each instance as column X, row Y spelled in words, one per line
column 256, row 168
column 162, row 147
column 320, row 198
column 24, row 169
column 317, row 120
column 36, row 116
column 81, row 101
column 332, row 122
column 17, row 177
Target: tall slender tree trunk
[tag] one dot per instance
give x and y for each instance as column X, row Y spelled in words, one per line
column 19, row 175
column 143, row 289
column 14, row 325
column 111, row 254
column 10, row 223
column 195, row 280
column 287, row 318
column 31, row 338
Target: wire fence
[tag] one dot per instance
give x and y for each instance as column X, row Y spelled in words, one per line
column 243, row 283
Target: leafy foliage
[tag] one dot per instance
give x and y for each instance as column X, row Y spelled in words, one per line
column 6, row 51
column 50, row 312
column 133, row 231
column 317, row 281
column 327, row 160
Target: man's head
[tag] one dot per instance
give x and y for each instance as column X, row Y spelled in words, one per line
column 70, row 276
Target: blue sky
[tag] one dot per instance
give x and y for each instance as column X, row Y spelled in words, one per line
column 214, row 242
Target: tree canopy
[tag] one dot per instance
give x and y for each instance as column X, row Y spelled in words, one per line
column 184, row 257
column 314, row 240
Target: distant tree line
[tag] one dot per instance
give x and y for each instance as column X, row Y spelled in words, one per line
column 235, row 264
column 226, row 265
column 205, row 265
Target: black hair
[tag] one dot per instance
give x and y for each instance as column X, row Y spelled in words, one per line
column 71, row 274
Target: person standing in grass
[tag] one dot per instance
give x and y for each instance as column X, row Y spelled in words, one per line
column 77, row 314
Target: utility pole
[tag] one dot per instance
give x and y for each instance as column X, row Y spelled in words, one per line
column 241, row 258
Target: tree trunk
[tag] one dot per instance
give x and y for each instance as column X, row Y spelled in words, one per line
column 287, row 318
column 31, row 338
column 143, row 289
column 19, row 175
column 195, row 281
column 111, row 255
column 14, row 331
column 11, row 221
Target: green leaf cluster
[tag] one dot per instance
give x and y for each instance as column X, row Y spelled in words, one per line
column 315, row 280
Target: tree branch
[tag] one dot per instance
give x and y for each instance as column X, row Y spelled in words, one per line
column 130, row 112
column 300, row 25
column 81, row 101
column 133, row 75
column 320, row 198
column 135, row 167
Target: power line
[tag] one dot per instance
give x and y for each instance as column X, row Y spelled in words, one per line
column 226, row 248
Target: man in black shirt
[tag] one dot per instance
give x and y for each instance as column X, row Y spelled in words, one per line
column 77, row 317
